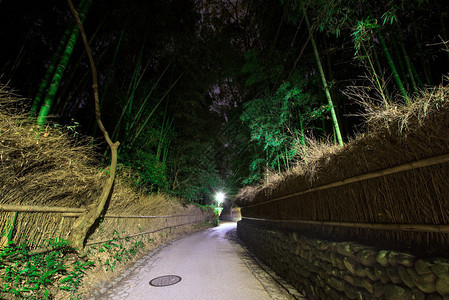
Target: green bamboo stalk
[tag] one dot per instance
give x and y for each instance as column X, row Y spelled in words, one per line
column 301, row 128
column 130, row 95
column 167, row 140
column 124, row 109
column 56, row 81
column 136, row 84
column 77, row 64
column 131, row 99
column 407, row 61
column 278, row 164
column 51, row 68
column 109, row 78
column 165, row 152
column 418, row 79
column 323, row 79
column 162, row 133
column 376, row 78
column 392, row 66
column 20, row 56
column 401, row 64
column 11, row 227
column 422, row 57
column 142, row 107
column 379, row 69
column 154, row 109
column 112, row 66
column 73, row 90
column 286, row 160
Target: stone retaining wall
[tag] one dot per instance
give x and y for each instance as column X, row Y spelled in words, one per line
column 323, row 269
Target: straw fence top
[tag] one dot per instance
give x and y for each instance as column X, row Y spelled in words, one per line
column 398, row 140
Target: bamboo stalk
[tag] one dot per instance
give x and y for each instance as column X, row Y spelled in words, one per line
column 440, row 159
column 378, row 226
column 335, row 124
column 392, row 66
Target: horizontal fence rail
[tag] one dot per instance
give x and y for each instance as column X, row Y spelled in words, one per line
column 141, row 233
column 45, row 209
column 44, row 250
column 125, row 216
column 427, row 162
column 378, row 226
column 69, row 211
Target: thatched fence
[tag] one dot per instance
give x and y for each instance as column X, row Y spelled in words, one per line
column 389, row 186
column 28, row 223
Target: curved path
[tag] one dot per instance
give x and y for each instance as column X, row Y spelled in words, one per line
column 212, row 265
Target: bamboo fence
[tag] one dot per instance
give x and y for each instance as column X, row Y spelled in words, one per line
column 398, row 227
column 440, row 159
column 404, row 205
column 69, row 212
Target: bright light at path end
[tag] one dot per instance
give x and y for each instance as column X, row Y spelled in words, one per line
column 219, row 197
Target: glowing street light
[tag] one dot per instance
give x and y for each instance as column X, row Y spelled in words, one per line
column 219, row 197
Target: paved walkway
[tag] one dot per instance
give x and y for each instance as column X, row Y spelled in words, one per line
column 212, row 266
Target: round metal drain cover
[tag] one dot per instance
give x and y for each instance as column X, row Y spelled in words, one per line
column 165, row 280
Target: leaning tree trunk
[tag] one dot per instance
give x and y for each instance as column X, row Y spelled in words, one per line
column 323, row 79
column 84, row 223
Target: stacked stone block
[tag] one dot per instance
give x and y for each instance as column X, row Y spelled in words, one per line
column 323, row 269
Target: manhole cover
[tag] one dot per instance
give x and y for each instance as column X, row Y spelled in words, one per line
column 165, row 280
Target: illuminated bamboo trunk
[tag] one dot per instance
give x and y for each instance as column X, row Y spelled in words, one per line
column 323, row 79
column 57, row 78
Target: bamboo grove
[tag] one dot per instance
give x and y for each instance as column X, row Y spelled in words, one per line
column 204, row 94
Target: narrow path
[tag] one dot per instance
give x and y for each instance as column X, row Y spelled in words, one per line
column 212, row 266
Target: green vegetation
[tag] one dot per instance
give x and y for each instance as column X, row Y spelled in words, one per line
column 31, row 275
column 278, row 124
column 113, row 252
column 27, row 274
